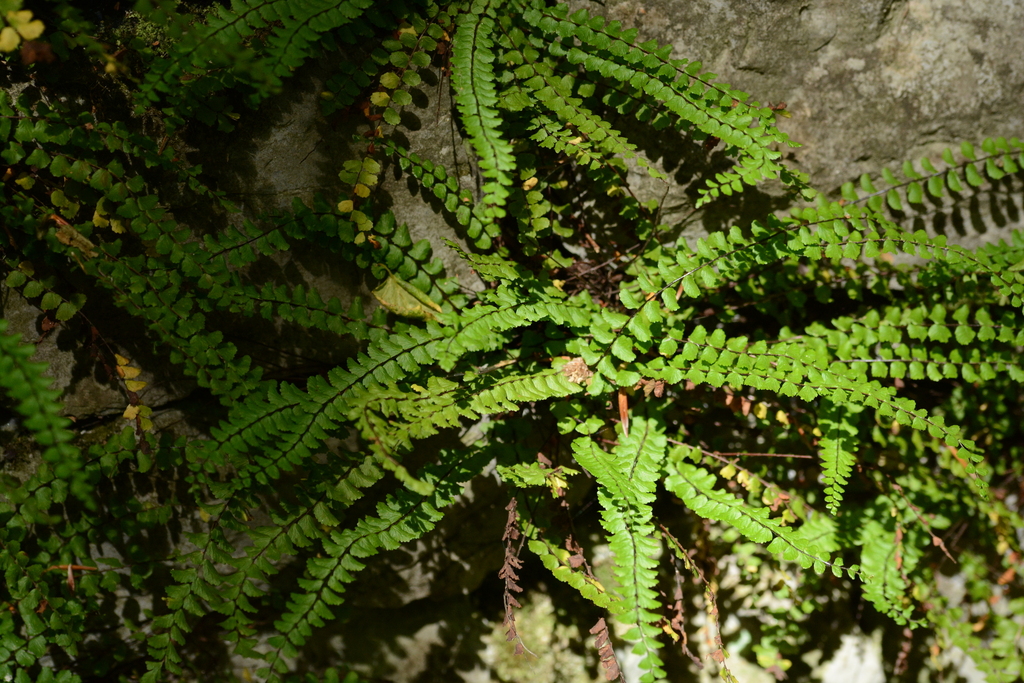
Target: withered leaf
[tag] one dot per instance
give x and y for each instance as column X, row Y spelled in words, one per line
column 33, row 51
column 577, row 371
column 403, row 299
column 605, row 651
column 653, row 386
column 71, row 237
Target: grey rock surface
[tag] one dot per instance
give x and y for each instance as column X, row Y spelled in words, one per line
column 288, row 149
column 869, row 84
column 859, row 660
column 78, row 362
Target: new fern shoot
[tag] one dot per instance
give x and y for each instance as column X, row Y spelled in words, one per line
column 828, row 394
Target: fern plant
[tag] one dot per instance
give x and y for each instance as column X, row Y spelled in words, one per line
column 827, row 393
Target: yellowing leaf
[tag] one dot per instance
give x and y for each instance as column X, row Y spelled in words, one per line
column 98, row 220
column 761, row 411
column 130, row 413
column 390, row 80
column 530, row 183
column 32, row 29
column 370, row 166
column 782, row 417
column 9, row 39
column 557, row 484
column 368, row 172
column 117, row 225
column 121, row 360
column 728, row 472
column 380, row 99
column 346, row 206
column 405, row 300
column 128, row 372
column 361, row 221
column 362, row 190
column 25, row 180
column 134, row 385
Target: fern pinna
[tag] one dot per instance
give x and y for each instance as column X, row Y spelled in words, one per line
column 825, row 395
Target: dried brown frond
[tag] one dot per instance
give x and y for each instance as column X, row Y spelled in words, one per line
column 714, row 633
column 906, row 643
column 577, row 560
column 678, row 622
column 510, row 577
column 604, row 649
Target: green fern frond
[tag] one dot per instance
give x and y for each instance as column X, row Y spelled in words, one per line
column 799, row 333
column 458, row 202
column 220, row 53
column 714, row 109
column 883, row 557
column 627, row 479
column 476, row 99
column 556, row 561
column 24, row 382
column 348, row 81
column 580, row 132
column 838, row 441
column 402, row 517
column 1000, row 157
column 696, row 487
